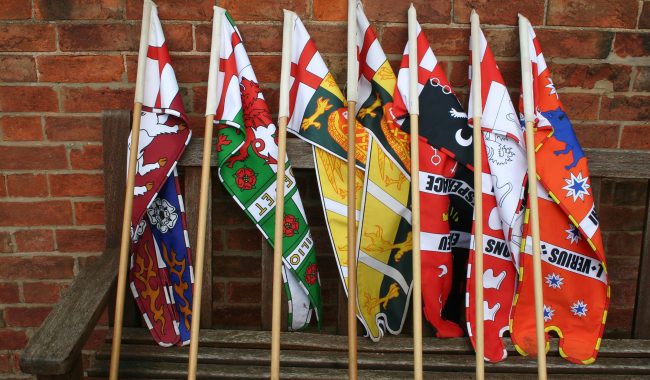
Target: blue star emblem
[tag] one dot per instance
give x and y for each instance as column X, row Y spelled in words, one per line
column 579, row 309
column 548, row 313
column 554, row 281
column 573, row 234
column 576, row 187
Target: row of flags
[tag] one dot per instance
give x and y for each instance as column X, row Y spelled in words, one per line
column 576, row 292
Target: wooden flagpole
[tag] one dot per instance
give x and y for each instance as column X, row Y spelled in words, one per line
column 529, row 115
column 210, row 111
column 477, row 109
column 414, row 109
column 353, row 82
column 283, row 119
column 125, row 243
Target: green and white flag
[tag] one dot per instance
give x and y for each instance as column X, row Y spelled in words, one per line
column 247, row 152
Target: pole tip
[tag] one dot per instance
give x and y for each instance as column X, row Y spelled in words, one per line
column 288, row 12
column 151, row 3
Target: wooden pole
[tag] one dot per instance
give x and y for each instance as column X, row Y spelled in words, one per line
column 529, row 115
column 477, row 107
column 353, row 82
column 283, row 119
column 125, row 244
column 414, row 110
column 210, row 111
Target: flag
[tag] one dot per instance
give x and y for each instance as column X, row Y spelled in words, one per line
column 446, row 186
column 247, row 154
column 384, row 261
column 503, row 175
column 575, row 283
column 318, row 115
column 161, row 276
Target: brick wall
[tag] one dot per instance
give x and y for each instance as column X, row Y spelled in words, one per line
column 63, row 61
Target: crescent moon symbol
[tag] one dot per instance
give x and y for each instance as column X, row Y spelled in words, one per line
column 461, row 141
column 443, row 270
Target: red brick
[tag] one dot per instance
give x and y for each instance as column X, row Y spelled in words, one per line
column 96, row 37
column 218, row 291
column 34, row 240
column 257, row 38
column 73, row 128
column 240, row 316
column 632, row 44
column 87, row 157
column 178, row 36
column 199, row 94
column 635, row 137
column 600, row 13
column 175, row 9
column 17, row 68
column 597, row 136
column 9, row 293
column 15, row 9
column 244, row 240
column 644, row 19
column 89, row 213
column 35, row 213
column 27, row 185
column 443, row 41
column 619, row 321
column 330, row 10
column 36, row 268
column 244, row 292
column 267, row 68
column 621, row 218
column 89, row 99
column 32, row 37
column 429, row 11
column 190, row 69
column 41, row 292
column 600, row 76
column 328, row 37
column 642, row 79
column 12, row 339
column 96, row 339
column 28, row 99
column 76, row 185
column 78, row 9
column 580, row 106
column 625, row 108
column 458, row 73
column 262, row 10
column 623, row 243
column 575, row 43
column 33, row 157
column 240, row 266
column 6, row 245
column 80, row 240
column 26, row 316
column 80, row 69
column 3, row 186
column 501, row 42
column 493, row 13
column 22, row 128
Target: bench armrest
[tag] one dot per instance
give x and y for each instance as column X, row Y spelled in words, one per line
column 57, row 344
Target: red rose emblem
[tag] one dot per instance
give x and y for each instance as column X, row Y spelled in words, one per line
column 245, row 178
column 290, row 225
column 312, row 274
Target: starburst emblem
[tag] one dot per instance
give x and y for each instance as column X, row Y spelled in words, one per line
column 548, row 313
column 579, row 309
column 554, row 281
column 573, row 234
column 576, row 187
column 551, row 88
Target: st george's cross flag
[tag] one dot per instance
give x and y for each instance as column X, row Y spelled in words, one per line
column 575, row 282
column 503, row 175
column 161, row 276
column 384, row 259
column 446, row 187
column 247, row 153
column 318, row 115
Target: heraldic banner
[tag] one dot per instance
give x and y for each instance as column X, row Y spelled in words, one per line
column 161, row 276
column 247, row 153
column 576, row 288
column 384, row 269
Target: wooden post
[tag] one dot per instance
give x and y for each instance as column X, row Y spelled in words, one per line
column 529, row 114
column 283, row 119
column 210, row 110
column 414, row 110
column 125, row 244
column 477, row 106
column 353, row 82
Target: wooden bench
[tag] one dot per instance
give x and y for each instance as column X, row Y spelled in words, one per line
column 55, row 350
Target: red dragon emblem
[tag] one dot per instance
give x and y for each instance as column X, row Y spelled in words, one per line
column 256, row 115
